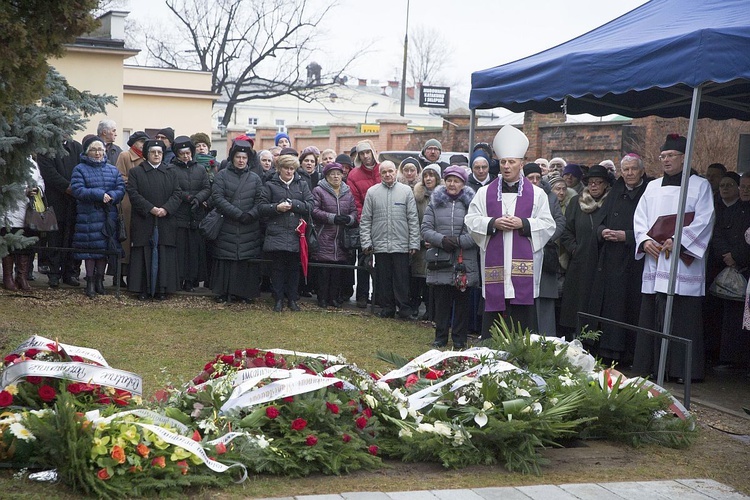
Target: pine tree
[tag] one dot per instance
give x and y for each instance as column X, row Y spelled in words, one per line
column 39, row 129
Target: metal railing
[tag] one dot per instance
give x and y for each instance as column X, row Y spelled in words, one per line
column 653, row 333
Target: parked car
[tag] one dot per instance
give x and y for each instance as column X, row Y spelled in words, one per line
column 398, row 156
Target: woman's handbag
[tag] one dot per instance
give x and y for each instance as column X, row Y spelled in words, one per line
column 210, row 225
column 39, row 215
column 460, row 280
column 729, row 284
column 437, row 258
column 311, row 235
column 351, row 238
column 122, row 231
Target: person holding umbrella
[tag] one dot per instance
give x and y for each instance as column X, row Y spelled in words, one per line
column 285, row 199
column 154, row 194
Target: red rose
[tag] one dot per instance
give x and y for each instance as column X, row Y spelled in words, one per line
column 411, row 380
column 103, row 474
column 238, row 353
column 103, row 399
column 433, row 374
column 142, row 450
column 346, row 438
column 47, row 393
column 361, row 422
column 259, row 362
column 209, row 367
column 338, row 385
column 251, row 352
column 118, row 454
column 288, row 399
column 311, row 440
column 6, row 398
column 269, row 354
column 227, row 359
column 272, row 412
column 333, row 407
column 34, row 380
column 31, row 353
column 372, row 450
column 270, row 362
column 159, row 462
column 221, row 448
column 11, row 358
column 298, row 424
column 75, row 388
column 367, row 412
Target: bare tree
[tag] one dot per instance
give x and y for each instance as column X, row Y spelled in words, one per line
column 427, row 55
column 254, row 49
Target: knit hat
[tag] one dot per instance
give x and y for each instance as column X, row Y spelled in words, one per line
column 598, row 171
column 281, row 135
column 199, row 137
column 332, row 166
column 479, row 153
column 675, row 142
column 554, row 178
column 137, row 136
column 510, row 143
column 531, row 168
column 574, row 170
column 344, row 159
column 288, row 151
column 559, row 160
column 311, row 149
column 183, row 142
column 167, row 132
column 410, row 160
column 90, row 139
column 435, row 168
column 459, row 160
column 456, row 171
column 432, row 143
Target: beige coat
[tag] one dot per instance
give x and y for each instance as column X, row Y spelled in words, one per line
column 127, row 160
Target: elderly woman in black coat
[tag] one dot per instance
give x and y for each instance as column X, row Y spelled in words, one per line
column 154, row 193
column 285, row 200
column 194, row 190
column 236, row 195
column 443, row 227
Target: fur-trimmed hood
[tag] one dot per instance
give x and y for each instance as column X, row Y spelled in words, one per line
column 440, row 196
column 421, row 193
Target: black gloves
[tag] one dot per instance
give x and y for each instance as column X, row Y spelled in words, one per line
column 246, row 218
column 341, row 220
column 194, row 204
column 367, row 251
column 450, row 243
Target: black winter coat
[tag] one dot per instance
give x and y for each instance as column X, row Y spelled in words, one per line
column 281, row 235
column 581, row 239
column 193, row 181
column 150, row 187
column 237, row 241
column 57, row 173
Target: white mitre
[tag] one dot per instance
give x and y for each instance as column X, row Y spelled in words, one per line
column 510, row 143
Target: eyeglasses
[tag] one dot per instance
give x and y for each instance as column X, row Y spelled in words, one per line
column 432, row 148
column 96, row 150
column 670, row 156
column 595, row 182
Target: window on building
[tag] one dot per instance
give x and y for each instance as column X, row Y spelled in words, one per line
column 280, row 126
column 253, row 122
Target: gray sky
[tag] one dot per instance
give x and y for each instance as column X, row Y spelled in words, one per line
column 482, row 33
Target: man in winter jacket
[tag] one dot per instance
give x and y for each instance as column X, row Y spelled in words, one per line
column 365, row 175
column 389, row 228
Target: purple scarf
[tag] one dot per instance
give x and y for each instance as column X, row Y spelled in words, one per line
column 522, row 270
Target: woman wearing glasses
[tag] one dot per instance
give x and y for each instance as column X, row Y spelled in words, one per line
column 97, row 187
column 583, row 217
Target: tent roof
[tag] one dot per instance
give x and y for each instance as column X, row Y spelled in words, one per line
column 645, row 62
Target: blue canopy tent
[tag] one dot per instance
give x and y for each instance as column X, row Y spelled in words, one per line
column 668, row 58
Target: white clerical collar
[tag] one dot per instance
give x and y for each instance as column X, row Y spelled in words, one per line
column 154, row 166
column 730, row 204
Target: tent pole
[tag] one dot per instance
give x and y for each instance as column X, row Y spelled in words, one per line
column 472, row 119
column 692, row 125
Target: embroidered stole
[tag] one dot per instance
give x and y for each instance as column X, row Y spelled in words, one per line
column 522, row 263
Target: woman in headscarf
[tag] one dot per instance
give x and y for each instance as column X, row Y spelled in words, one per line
column 443, row 227
column 194, row 191
column 581, row 238
column 333, row 210
column 418, row 290
column 98, row 187
column 236, row 195
column 127, row 160
column 285, row 199
column 154, row 192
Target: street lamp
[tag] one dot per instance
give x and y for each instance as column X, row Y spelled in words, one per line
column 368, row 110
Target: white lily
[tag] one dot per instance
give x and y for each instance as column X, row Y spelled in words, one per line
column 481, row 419
column 522, row 393
column 462, row 400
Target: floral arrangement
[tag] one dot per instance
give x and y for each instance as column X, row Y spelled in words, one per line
column 284, row 412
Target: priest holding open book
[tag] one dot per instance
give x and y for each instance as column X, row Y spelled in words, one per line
column 654, row 226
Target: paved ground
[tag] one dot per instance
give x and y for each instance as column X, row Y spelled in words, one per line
column 680, row 489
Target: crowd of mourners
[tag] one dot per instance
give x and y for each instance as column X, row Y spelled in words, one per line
column 458, row 244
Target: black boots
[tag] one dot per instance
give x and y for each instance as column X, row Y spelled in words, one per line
column 90, row 287
column 99, row 284
column 279, row 306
